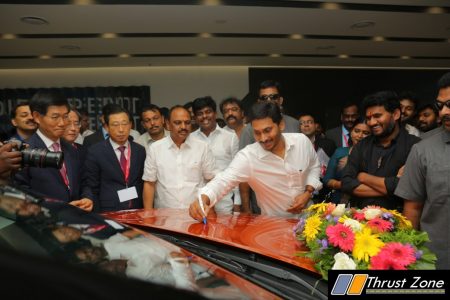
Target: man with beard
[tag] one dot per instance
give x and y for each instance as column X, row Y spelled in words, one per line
column 425, row 184
column 269, row 91
column 427, row 119
column 223, row 144
column 177, row 165
column 22, row 120
column 153, row 122
column 233, row 114
column 376, row 163
column 408, row 106
column 282, row 168
column 341, row 135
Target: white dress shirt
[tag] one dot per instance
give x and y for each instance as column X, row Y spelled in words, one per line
column 224, row 146
column 178, row 172
column 146, row 140
column 276, row 181
column 117, row 151
column 48, row 142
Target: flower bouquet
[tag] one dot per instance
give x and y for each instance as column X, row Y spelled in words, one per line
column 371, row 238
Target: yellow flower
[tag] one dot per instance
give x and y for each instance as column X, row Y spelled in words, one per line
column 403, row 222
column 366, row 245
column 318, row 208
column 312, row 225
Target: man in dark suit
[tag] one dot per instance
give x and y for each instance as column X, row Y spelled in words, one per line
column 113, row 169
column 51, row 112
column 341, row 135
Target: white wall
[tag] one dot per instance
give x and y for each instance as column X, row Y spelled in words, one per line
column 169, row 85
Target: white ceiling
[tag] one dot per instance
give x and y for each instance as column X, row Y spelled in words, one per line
column 243, row 33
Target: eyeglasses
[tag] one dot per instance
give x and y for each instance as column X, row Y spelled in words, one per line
column 440, row 105
column 271, row 97
column 55, row 118
column 117, row 124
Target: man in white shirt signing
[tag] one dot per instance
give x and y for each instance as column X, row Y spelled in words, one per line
column 223, row 144
column 177, row 165
column 282, row 168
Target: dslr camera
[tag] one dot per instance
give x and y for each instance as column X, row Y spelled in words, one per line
column 38, row 158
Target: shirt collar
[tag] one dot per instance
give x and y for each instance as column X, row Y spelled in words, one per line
column 149, row 137
column 216, row 130
column 48, row 142
column 105, row 133
column 445, row 135
column 115, row 145
column 187, row 142
column 261, row 153
column 344, row 130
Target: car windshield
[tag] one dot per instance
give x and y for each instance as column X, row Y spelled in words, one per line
column 67, row 234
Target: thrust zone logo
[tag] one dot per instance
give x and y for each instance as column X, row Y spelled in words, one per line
column 349, row 284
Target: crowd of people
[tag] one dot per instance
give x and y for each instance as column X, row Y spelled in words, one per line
column 390, row 151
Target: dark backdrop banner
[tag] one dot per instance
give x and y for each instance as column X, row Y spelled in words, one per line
column 322, row 92
column 89, row 98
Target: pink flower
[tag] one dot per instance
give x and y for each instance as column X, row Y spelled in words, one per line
column 341, row 236
column 359, row 216
column 384, row 262
column 379, row 225
column 394, row 256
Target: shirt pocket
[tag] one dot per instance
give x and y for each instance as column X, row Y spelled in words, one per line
column 438, row 183
column 193, row 172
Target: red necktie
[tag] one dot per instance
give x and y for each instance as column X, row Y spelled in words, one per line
column 57, row 148
column 123, row 159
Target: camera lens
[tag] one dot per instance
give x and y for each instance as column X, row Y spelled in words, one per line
column 42, row 158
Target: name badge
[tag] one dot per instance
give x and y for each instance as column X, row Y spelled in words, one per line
column 127, row 194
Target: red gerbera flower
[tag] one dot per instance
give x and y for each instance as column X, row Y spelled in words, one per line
column 359, row 216
column 379, row 225
column 341, row 236
column 393, row 256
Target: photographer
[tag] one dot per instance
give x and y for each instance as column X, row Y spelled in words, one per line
column 51, row 112
column 9, row 160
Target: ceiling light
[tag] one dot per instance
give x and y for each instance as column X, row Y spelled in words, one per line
column 211, row 2
column 109, row 35
column 34, row 20
column 202, row 55
column 70, row 47
column 45, row 56
column 405, row 57
column 275, row 55
column 8, row 36
column 296, row 36
column 83, row 2
column 435, row 10
column 205, row 35
column 327, row 47
column 124, row 55
column 330, row 6
column 378, row 39
column 343, row 56
column 362, row 24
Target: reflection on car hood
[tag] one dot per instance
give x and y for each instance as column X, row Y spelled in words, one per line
column 66, row 233
column 269, row 236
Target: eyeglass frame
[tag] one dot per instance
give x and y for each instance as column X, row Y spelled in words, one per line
column 440, row 105
column 270, row 97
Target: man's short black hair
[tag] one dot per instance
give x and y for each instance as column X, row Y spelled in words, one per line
column 188, row 105
column 151, row 107
column 348, row 104
column 15, row 107
column 410, row 96
column 231, row 100
column 428, row 105
column 271, row 83
column 306, row 115
column 262, row 110
column 444, row 81
column 388, row 99
column 115, row 109
column 202, row 102
column 45, row 98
